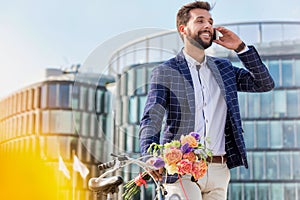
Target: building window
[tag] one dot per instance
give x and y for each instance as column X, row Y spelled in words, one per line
column 253, row 105
column 284, row 164
column 249, row 193
column 262, row 134
column 275, row 72
column 272, row 165
column 64, row 95
column 140, row 81
column 133, row 108
column 249, row 134
column 297, row 72
column 52, row 94
column 266, row 104
column 287, row 73
column 292, row 103
column 258, row 166
column 289, row 134
column 83, row 98
column 280, row 103
column 276, row 134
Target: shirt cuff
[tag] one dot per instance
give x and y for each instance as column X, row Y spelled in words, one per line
column 244, row 50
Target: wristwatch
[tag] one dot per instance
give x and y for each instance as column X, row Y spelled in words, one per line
column 240, row 47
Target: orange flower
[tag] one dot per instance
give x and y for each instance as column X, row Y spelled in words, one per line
column 190, row 140
column 199, row 169
column 190, row 156
column 185, row 166
column 172, row 156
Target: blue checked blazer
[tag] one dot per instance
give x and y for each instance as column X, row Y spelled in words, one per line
column 171, row 100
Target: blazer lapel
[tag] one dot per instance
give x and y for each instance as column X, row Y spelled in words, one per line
column 188, row 82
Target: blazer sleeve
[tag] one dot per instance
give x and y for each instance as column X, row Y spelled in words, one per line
column 257, row 77
column 151, row 122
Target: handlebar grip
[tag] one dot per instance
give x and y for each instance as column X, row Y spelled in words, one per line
column 107, row 165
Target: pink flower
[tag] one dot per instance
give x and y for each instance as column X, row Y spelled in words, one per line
column 172, row 156
column 199, row 169
column 184, row 166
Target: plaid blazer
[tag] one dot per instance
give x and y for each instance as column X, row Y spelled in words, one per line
column 171, row 100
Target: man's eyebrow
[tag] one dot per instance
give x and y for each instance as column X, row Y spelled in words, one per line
column 202, row 17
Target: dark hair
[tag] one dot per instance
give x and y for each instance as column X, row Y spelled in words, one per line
column 183, row 15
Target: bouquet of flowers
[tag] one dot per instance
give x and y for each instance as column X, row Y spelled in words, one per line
column 185, row 156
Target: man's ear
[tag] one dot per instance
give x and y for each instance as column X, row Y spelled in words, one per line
column 182, row 29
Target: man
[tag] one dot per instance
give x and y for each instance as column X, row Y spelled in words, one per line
column 196, row 92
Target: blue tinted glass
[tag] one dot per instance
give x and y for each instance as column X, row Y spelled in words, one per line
column 275, row 134
column 284, row 164
column 258, row 166
column 262, row 134
column 292, row 103
column 297, row 72
column 280, row 103
column 274, row 71
column 249, row 134
column 64, row 94
column 253, row 105
column 52, row 95
column 266, row 104
column 287, row 73
column 272, row 165
column 263, row 191
column 133, row 110
column 288, row 134
column 249, row 191
column 242, row 104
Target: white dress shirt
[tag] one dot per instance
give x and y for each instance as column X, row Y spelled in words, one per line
column 210, row 106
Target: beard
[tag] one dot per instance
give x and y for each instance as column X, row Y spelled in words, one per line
column 197, row 41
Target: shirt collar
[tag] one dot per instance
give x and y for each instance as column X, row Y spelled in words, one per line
column 192, row 62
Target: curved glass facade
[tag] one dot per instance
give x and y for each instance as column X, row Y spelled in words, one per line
column 58, row 117
column 271, row 120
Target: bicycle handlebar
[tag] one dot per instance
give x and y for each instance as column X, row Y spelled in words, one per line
column 122, row 161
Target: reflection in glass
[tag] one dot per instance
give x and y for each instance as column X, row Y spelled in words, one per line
column 236, row 191
column 276, row 134
column 285, row 167
column 272, row 165
column 249, row 191
column 279, row 103
column 276, row 191
column 297, row 72
column 52, row 95
column 258, row 165
column 64, row 94
column 253, row 105
column 289, row 134
column 249, row 134
column 263, row 191
column 287, row 73
column 289, row 191
column 266, row 104
column 292, row 103
column 262, row 134
column 275, row 72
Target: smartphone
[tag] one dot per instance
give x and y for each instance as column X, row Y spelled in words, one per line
column 217, row 34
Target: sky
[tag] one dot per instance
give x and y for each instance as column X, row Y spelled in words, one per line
column 38, row 34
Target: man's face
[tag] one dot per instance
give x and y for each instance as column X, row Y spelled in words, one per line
column 199, row 30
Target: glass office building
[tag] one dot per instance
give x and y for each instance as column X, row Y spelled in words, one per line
column 67, row 114
column 271, row 121
column 59, row 116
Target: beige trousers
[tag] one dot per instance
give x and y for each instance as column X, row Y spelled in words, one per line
column 213, row 186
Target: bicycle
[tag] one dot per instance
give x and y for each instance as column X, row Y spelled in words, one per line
column 109, row 186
